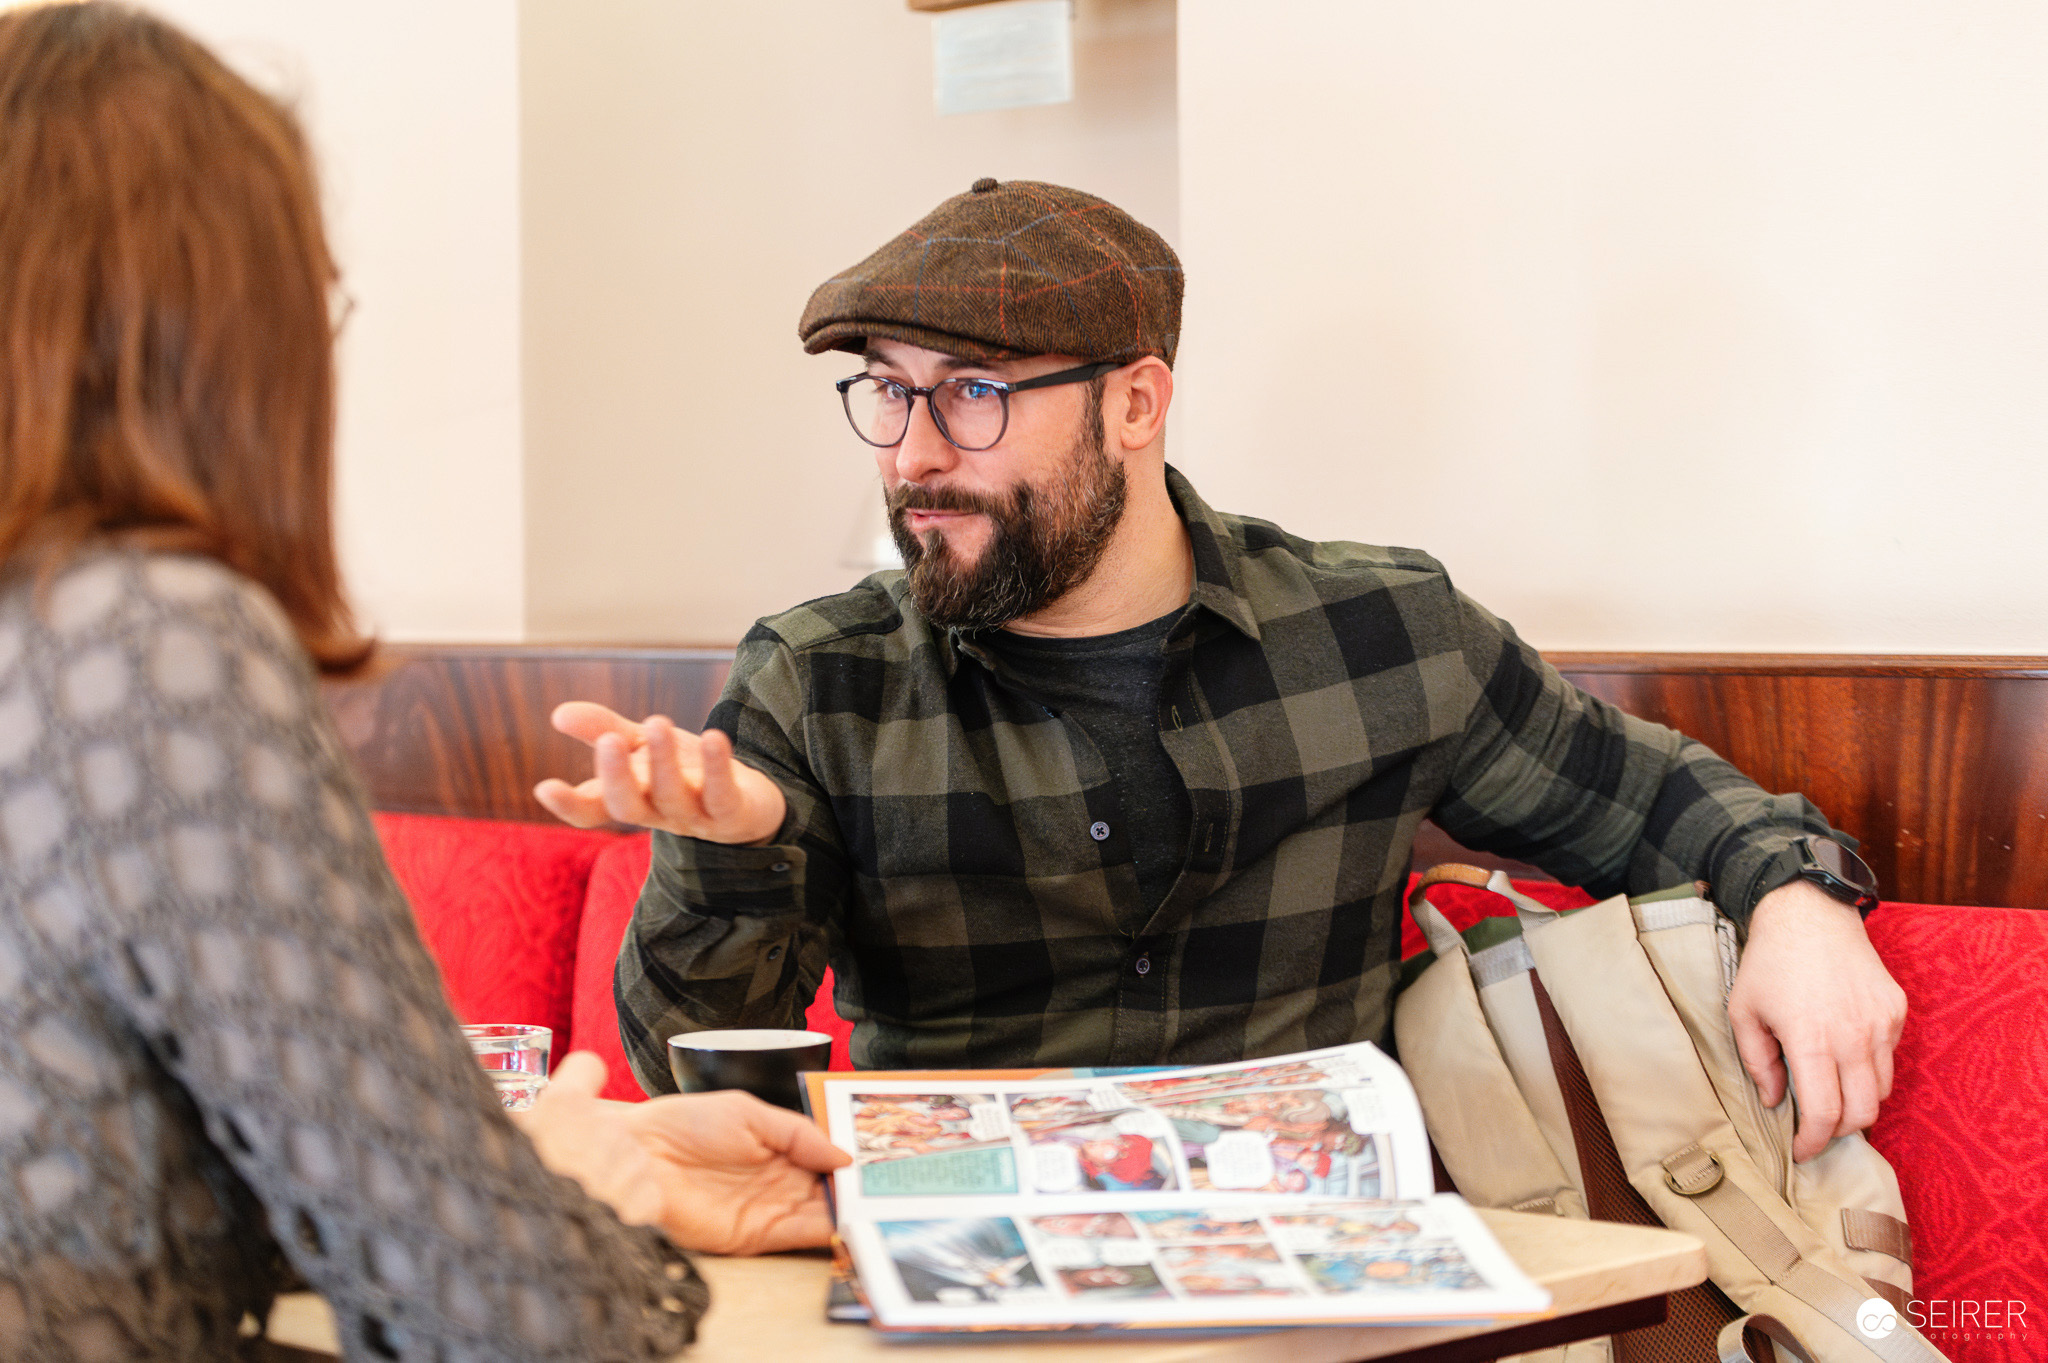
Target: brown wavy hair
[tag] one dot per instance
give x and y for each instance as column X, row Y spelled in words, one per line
column 166, row 349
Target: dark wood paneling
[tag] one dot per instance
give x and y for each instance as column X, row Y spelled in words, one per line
column 1939, row 765
column 463, row 729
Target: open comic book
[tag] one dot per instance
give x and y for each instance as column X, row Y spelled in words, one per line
column 1290, row 1190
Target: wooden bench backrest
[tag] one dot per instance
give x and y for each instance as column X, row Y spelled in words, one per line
column 1939, row 765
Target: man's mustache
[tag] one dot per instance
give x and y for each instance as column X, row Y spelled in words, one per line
column 911, row 497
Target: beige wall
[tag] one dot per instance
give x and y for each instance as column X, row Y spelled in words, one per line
column 690, row 172
column 1717, row 325
column 413, row 112
column 1685, row 326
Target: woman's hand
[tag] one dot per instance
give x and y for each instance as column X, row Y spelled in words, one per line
column 720, row 1172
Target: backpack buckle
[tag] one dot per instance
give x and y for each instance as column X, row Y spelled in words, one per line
column 1692, row 1171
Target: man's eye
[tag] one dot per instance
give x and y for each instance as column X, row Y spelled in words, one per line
column 888, row 391
column 976, row 390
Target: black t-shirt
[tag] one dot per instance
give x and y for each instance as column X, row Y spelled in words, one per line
column 1109, row 684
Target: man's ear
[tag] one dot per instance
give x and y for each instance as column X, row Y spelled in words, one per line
column 1135, row 402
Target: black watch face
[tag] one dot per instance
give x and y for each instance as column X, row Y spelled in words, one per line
column 1844, row 865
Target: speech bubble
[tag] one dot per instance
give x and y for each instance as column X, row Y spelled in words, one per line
column 1055, row 1169
column 987, row 1121
column 1240, row 1159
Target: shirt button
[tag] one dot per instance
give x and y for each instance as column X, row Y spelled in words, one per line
column 774, row 953
column 1143, row 965
column 1098, row 830
column 779, row 867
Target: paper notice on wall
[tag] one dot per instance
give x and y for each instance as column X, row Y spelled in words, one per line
column 1003, row 56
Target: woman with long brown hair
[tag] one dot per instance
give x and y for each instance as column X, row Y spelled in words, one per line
column 224, row 1054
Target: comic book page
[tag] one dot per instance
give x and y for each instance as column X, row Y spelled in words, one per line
column 1271, row 1261
column 1341, row 1122
column 1155, row 1196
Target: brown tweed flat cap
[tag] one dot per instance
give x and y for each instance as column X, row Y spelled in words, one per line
column 1009, row 269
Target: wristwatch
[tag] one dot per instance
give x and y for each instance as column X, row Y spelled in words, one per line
column 1832, row 867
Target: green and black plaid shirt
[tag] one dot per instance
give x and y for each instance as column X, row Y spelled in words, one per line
column 956, row 852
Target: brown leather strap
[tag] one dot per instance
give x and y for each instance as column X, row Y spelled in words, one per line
column 1449, row 873
column 1876, row 1231
column 1694, row 1318
column 1749, row 1340
column 1892, row 1293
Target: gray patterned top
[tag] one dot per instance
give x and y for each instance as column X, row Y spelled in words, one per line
column 224, row 1053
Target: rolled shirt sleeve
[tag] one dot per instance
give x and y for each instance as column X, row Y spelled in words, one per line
column 1599, row 798
column 736, row 936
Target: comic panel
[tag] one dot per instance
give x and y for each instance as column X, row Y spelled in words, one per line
column 1220, row 1269
column 932, row 1144
column 1108, row 1152
column 1283, row 1141
column 1415, row 1268
column 1197, row 1225
column 1098, row 1256
column 1031, row 1111
column 1362, row 1228
column 964, row 1261
column 1286, row 1074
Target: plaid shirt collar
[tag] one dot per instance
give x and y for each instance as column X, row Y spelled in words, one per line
column 1219, row 576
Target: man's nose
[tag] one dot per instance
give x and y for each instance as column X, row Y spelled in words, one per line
column 923, row 451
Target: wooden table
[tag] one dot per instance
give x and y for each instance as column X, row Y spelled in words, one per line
column 1602, row 1277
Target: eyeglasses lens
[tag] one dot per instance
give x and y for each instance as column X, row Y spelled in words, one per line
column 877, row 410
column 973, row 412
column 970, row 411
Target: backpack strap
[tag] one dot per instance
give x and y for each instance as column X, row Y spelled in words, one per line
column 1695, row 1174
column 1748, row 1339
column 1865, row 1229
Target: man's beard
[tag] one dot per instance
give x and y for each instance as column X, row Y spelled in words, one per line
column 1043, row 540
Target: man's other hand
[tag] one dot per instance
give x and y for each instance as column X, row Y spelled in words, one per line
column 1812, row 994
column 658, row 776
column 720, row 1172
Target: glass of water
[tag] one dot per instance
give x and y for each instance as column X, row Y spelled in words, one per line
column 515, row 1055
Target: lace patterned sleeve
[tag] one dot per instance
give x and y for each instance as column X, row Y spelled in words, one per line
column 245, row 926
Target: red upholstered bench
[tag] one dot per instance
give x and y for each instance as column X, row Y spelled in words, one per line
column 525, row 920
column 499, row 905
column 614, row 884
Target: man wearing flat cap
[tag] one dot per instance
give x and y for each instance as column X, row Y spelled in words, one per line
column 1107, row 777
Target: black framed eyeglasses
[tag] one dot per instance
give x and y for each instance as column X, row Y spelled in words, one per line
column 971, row 413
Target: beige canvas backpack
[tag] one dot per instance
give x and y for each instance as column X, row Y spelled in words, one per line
column 1582, row 1063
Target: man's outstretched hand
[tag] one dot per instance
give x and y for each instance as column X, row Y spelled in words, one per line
column 658, row 776
column 720, row 1172
column 1812, row 995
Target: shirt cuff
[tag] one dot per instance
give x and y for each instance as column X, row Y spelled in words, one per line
column 719, row 881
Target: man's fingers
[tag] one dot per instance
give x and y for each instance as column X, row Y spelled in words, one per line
column 581, row 805
column 590, row 721
column 1761, row 1056
column 721, row 791
column 667, row 789
column 1859, row 1098
column 619, row 784
column 1819, row 1086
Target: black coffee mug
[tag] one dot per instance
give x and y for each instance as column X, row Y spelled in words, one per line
column 763, row 1061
